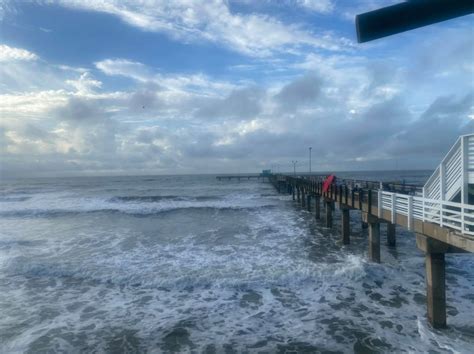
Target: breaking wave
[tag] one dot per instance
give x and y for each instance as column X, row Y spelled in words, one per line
column 54, row 206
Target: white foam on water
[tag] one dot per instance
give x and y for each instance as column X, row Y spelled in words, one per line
column 63, row 203
column 254, row 279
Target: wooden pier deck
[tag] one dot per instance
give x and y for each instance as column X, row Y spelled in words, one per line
column 440, row 227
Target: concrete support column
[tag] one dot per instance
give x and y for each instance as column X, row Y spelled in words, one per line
column 391, row 236
column 293, row 192
column 317, row 207
column 303, row 198
column 435, row 289
column 345, row 224
column 328, row 214
column 435, row 278
column 298, row 194
column 374, row 241
column 308, row 202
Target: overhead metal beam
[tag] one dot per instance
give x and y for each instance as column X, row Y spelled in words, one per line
column 407, row 16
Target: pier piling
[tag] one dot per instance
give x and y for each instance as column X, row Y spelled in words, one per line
column 391, row 236
column 328, row 208
column 345, row 224
column 435, row 289
column 317, row 207
column 435, row 278
column 374, row 241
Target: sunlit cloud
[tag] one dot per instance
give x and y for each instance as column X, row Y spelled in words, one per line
column 8, row 53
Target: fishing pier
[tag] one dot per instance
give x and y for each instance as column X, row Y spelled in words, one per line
column 440, row 213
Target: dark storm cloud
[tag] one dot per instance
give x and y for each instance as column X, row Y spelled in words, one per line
column 81, row 110
column 147, row 136
column 303, row 91
column 380, row 135
column 34, row 132
column 145, row 99
column 368, row 131
column 437, row 128
column 89, row 122
column 239, row 104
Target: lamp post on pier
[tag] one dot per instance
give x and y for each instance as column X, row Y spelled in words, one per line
column 294, row 162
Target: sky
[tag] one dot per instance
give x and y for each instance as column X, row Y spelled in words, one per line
column 116, row 87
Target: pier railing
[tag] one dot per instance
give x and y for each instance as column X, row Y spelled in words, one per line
column 454, row 173
column 440, row 214
column 452, row 215
column 400, row 199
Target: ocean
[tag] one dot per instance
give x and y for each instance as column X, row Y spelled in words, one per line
column 153, row 264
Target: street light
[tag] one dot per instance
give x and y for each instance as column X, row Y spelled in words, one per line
column 294, row 162
column 310, row 148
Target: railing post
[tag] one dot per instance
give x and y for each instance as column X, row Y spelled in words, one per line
column 442, row 181
column 423, row 205
column 379, row 203
column 394, row 208
column 441, row 211
column 410, row 213
column 464, row 177
column 369, row 201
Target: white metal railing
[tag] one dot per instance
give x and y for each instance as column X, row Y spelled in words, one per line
column 456, row 216
column 454, row 173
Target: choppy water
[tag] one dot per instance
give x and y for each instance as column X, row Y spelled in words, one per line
column 190, row 264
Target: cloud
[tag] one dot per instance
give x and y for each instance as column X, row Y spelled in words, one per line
column 85, row 84
column 146, row 98
column 124, row 67
column 30, row 103
column 197, row 82
column 437, row 127
column 212, row 21
column 322, row 6
column 240, row 104
column 303, row 91
column 80, row 110
column 152, row 127
column 363, row 110
column 8, row 54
